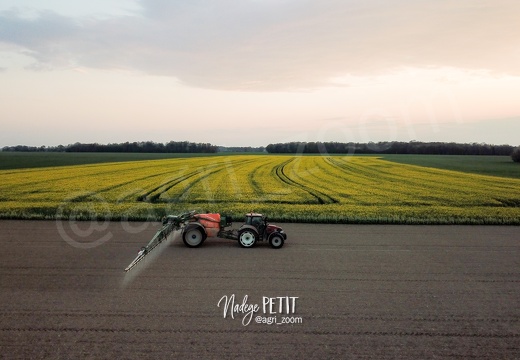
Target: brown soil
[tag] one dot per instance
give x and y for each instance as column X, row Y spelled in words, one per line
column 410, row 292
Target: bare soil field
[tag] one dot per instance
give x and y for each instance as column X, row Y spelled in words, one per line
column 351, row 291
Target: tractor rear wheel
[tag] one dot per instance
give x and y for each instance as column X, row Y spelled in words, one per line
column 193, row 237
column 276, row 241
column 247, row 238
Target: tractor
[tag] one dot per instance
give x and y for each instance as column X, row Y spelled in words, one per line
column 196, row 228
column 255, row 228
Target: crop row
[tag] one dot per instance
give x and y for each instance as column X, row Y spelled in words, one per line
column 290, row 188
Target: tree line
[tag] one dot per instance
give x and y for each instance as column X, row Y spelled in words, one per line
column 128, row 147
column 516, row 155
column 395, row 147
column 412, row 147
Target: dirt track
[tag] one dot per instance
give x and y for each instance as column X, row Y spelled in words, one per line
column 363, row 292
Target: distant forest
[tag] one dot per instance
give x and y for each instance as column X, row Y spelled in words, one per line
column 127, row 147
column 412, row 147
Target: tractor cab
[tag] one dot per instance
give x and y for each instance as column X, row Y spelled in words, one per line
column 256, row 220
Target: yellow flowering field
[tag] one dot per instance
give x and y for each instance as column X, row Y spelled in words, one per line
column 344, row 189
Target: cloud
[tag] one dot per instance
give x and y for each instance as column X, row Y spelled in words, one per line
column 277, row 45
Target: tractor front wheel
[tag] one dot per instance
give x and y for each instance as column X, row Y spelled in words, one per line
column 193, row 237
column 276, row 241
column 247, row 238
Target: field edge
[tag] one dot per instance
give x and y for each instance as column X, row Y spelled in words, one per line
column 319, row 214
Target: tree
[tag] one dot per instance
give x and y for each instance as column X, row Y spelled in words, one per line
column 516, row 155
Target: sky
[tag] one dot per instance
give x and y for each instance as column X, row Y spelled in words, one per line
column 255, row 72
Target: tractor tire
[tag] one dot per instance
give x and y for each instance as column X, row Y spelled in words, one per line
column 247, row 238
column 193, row 237
column 276, row 241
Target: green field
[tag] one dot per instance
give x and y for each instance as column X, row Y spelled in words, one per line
column 501, row 166
column 485, row 165
column 24, row 160
column 334, row 189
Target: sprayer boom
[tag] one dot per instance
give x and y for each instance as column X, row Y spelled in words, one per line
column 171, row 223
